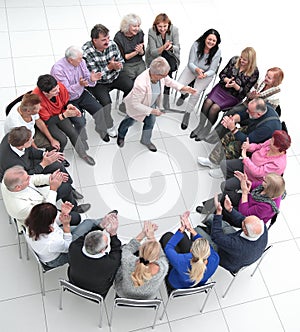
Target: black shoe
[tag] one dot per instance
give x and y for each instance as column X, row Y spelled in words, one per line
column 185, row 120
column 88, row 159
column 66, row 163
column 181, row 99
column 199, row 209
column 76, row 194
column 113, row 211
column 151, row 147
column 120, row 142
column 82, row 208
column 193, row 134
column 105, row 138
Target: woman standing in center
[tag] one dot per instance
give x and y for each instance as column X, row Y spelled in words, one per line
column 204, row 59
column 163, row 40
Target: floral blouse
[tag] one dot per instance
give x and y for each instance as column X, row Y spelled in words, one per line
column 244, row 81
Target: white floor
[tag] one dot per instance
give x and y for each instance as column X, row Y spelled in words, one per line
column 143, row 185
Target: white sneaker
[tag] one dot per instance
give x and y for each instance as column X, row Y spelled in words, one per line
column 112, row 132
column 206, row 162
column 216, row 173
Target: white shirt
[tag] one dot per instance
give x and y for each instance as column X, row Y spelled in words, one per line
column 50, row 246
column 14, row 119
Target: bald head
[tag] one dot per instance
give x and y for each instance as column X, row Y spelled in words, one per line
column 254, row 226
column 15, row 177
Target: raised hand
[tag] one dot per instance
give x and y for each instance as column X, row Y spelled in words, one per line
column 66, row 207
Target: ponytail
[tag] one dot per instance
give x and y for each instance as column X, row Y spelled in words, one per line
column 200, row 251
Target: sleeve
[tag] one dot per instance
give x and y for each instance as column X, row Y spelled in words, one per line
column 262, row 170
column 115, row 251
column 227, row 70
column 175, row 41
column 58, row 72
column 224, row 241
column 118, row 41
column 192, row 58
column 89, row 58
column 214, row 64
column 246, row 86
column 152, row 43
column 258, row 209
column 61, row 244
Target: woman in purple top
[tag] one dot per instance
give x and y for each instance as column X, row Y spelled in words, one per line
column 261, row 199
column 192, row 262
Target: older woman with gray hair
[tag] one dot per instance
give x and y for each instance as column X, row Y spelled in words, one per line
column 130, row 40
column 143, row 103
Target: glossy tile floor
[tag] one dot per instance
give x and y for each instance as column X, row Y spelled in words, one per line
column 143, row 185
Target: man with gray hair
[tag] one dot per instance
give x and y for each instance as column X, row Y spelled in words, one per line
column 144, row 101
column 72, row 71
column 95, row 257
column 236, row 248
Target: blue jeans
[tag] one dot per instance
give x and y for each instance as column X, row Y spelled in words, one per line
column 76, row 231
column 149, row 122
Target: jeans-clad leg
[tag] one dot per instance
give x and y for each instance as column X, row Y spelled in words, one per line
column 149, row 122
column 124, row 125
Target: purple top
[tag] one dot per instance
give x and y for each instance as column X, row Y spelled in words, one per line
column 262, row 210
column 70, row 75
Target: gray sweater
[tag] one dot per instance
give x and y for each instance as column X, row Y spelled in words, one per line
column 123, row 282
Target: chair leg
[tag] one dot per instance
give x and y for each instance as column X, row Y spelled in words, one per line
column 61, row 298
column 165, row 308
column 261, row 258
column 19, row 246
column 111, row 315
column 230, row 284
column 205, row 300
column 101, row 314
column 155, row 317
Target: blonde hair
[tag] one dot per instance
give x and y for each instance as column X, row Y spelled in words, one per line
column 275, row 185
column 200, row 250
column 148, row 253
column 249, row 54
column 128, row 20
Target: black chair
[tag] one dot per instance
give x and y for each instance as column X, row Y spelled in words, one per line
column 14, row 102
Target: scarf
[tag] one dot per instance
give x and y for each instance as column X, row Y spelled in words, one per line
column 258, row 197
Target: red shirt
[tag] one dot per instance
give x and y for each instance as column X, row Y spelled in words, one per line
column 49, row 108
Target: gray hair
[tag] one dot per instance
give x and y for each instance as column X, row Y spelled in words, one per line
column 12, row 177
column 94, row 242
column 260, row 105
column 73, row 52
column 254, row 226
column 128, row 20
column 159, row 66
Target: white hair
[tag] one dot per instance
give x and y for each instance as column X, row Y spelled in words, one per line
column 72, row 52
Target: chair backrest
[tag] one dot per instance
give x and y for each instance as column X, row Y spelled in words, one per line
column 192, row 291
column 14, row 102
column 182, row 292
column 67, row 285
column 273, row 220
column 133, row 303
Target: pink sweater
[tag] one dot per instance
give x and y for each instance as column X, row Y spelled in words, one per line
column 260, row 164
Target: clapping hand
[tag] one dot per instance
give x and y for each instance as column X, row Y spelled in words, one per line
column 227, row 204
column 149, row 229
column 218, row 205
column 113, row 224
column 66, row 207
